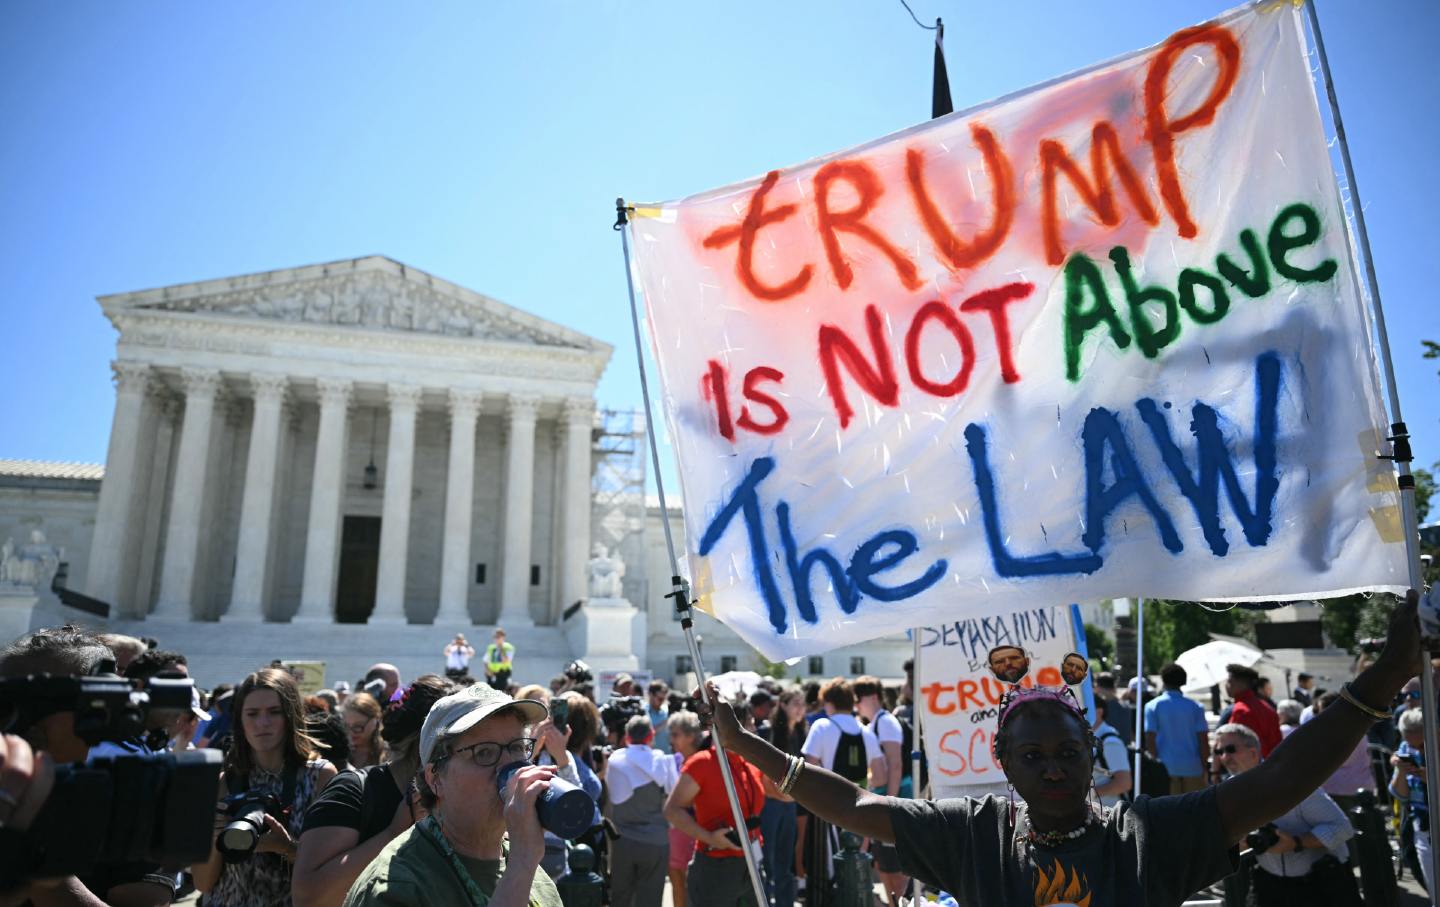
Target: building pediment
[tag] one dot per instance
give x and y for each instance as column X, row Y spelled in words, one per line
column 370, row 293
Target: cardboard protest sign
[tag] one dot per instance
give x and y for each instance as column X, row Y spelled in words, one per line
column 309, row 675
column 959, row 697
column 1100, row 338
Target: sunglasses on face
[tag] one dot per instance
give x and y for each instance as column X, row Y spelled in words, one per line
column 1227, row 749
column 487, row 754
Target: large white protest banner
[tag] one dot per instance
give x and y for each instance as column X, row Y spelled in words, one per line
column 959, row 699
column 1100, row 338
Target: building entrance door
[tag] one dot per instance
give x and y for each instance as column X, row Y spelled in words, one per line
column 359, row 568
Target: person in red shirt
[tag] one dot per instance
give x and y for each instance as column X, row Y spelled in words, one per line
column 717, row 877
column 1250, row 710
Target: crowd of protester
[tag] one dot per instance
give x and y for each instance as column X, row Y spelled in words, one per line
column 387, row 794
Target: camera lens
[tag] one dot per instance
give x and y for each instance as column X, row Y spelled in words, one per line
column 239, row 837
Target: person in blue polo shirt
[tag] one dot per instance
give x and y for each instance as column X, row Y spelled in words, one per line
column 1176, row 733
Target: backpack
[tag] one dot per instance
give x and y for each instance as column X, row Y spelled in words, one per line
column 1154, row 776
column 850, row 762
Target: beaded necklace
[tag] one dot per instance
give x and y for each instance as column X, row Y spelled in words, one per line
column 1056, row 838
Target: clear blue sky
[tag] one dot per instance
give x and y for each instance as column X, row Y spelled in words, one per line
column 151, row 143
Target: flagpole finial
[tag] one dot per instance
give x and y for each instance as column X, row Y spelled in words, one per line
column 620, row 214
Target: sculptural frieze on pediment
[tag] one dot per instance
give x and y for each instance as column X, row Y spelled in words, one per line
column 369, row 301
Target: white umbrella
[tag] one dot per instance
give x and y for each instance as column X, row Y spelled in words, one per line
column 736, row 683
column 1205, row 665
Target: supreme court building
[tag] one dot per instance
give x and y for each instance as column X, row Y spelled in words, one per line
column 350, row 462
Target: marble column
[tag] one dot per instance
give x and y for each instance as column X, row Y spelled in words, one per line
column 395, row 513
column 519, row 512
column 182, row 538
column 322, row 537
column 105, row 574
column 459, row 507
column 578, row 422
column 257, row 507
column 150, row 516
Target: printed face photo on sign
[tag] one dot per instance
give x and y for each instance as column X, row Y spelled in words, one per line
column 1009, row 663
column 1074, row 669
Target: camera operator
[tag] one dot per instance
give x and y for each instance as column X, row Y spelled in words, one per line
column 456, row 854
column 361, row 811
column 148, row 664
column 67, row 651
column 1301, row 856
column 640, row 778
column 271, row 756
column 1408, row 784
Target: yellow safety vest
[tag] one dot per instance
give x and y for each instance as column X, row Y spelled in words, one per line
column 497, row 658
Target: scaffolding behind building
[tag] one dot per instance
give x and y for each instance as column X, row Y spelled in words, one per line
column 617, row 516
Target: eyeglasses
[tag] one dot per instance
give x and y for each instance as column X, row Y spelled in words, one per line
column 486, row 754
column 1227, row 749
column 1413, row 694
column 359, row 728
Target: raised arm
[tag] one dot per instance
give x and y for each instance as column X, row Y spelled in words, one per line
column 824, row 793
column 1317, row 748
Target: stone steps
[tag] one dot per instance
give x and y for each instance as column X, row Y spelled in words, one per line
column 226, row 652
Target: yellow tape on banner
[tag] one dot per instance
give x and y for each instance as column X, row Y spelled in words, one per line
column 702, row 584
column 1389, row 524
column 1379, row 473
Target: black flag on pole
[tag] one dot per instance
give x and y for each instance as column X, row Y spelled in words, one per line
column 940, row 103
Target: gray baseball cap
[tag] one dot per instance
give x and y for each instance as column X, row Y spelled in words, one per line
column 459, row 712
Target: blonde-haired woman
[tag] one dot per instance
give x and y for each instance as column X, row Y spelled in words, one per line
column 270, row 754
column 362, row 715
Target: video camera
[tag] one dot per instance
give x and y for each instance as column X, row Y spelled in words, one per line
column 151, row 808
column 106, row 707
column 578, row 672
column 247, row 812
column 617, row 712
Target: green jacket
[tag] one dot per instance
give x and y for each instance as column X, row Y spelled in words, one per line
column 411, row 872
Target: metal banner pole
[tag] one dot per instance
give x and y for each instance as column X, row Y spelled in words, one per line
column 917, row 746
column 1399, row 435
column 1139, row 707
column 679, row 592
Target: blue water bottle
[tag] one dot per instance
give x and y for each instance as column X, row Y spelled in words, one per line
column 565, row 810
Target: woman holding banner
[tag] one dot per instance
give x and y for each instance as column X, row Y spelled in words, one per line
column 1056, row 847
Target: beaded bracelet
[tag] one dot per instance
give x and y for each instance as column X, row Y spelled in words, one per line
column 1377, row 714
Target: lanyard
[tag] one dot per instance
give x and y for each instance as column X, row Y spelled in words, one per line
column 430, row 829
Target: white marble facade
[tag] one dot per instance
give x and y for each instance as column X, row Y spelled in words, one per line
column 246, row 412
column 248, row 409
